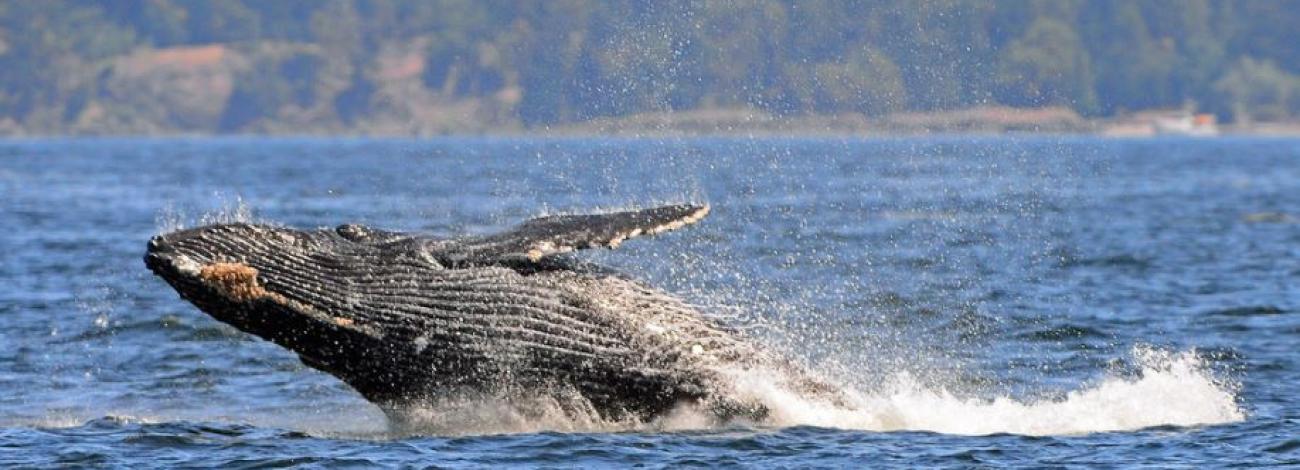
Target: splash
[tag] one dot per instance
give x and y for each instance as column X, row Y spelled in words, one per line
column 170, row 219
column 230, row 212
column 1171, row 389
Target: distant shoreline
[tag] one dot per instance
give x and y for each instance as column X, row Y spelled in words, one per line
column 938, row 136
column 744, row 122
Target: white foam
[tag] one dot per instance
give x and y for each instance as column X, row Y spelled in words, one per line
column 1171, row 389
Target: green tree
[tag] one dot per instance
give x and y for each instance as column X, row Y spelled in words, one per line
column 221, row 21
column 1047, row 66
column 867, row 82
column 1133, row 68
column 1257, row 90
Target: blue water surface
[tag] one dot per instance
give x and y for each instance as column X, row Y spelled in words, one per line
column 999, row 301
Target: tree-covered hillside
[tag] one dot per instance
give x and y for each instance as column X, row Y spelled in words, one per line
column 178, row 66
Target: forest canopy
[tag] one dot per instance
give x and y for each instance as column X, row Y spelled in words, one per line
column 188, row 66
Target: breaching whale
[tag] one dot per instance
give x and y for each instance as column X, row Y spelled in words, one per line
column 404, row 318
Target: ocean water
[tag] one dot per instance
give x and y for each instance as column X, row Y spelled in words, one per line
column 988, row 301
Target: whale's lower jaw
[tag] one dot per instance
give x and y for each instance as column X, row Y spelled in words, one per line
column 402, row 331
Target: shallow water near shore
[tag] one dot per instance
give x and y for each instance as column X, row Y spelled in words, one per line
column 991, row 301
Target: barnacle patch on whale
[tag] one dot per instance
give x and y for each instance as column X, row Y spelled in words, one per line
column 236, row 281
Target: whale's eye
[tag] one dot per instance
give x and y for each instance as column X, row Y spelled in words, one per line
column 353, row 232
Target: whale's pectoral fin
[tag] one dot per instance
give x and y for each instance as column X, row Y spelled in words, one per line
column 551, row 235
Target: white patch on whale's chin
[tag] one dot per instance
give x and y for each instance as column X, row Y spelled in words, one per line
column 187, row 266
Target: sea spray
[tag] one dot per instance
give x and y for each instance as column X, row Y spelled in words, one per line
column 1170, row 389
column 223, row 210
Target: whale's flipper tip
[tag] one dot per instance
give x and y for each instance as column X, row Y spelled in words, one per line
column 556, row 234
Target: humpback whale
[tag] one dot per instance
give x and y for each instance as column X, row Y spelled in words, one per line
column 404, row 318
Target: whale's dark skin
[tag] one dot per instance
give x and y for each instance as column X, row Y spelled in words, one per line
column 406, row 318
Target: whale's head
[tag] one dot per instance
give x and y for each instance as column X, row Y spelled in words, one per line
column 227, row 269
column 297, row 289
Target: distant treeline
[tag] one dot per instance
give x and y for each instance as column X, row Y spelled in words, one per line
column 168, row 66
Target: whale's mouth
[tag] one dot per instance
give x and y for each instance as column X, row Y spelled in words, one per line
column 225, row 284
column 213, row 259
